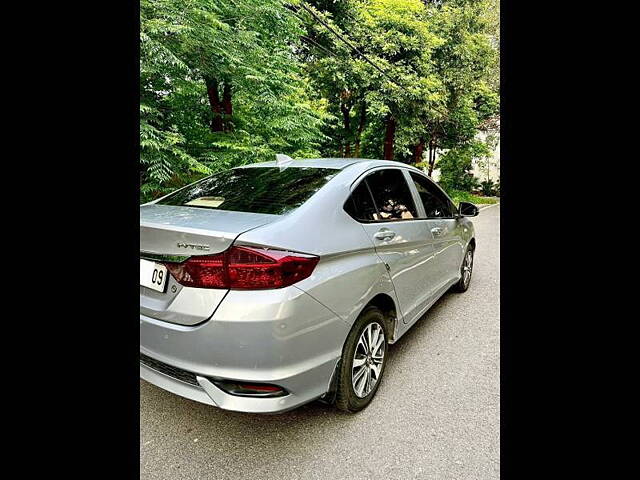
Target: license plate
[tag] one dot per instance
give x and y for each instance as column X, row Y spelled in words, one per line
column 153, row 275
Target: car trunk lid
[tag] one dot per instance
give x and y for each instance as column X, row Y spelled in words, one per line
column 178, row 230
column 173, row 233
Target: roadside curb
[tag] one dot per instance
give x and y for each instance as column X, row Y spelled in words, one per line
column 485, row 206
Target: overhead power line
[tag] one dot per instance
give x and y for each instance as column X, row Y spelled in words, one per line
column 347, row 42
column 323, row 48
column 356, row 50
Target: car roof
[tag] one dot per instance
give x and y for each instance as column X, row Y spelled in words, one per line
column 334, row 163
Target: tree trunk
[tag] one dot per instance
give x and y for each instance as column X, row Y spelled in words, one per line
column 227, row 107
column 215, row 104
column 347, row 128
column 363, row 120
column 419, row 150
column 432, row 155
column 389, row 137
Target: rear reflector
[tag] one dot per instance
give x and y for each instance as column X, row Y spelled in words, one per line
column 262, row 390
column 244, row 268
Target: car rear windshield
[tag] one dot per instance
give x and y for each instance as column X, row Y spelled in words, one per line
column 256, row 190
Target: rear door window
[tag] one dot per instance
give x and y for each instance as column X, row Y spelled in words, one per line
column 360, row 204
column 391, row 195
column 256, row 190
column 382, row 196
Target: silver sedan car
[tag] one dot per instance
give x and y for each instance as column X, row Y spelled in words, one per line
column 267, row 286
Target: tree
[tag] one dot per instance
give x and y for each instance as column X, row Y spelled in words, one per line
column 380, row 80
column 456, row 165
column 465, row 64
column 336, row 72
column 398, row 37
column 228, row 82
column 221, row 85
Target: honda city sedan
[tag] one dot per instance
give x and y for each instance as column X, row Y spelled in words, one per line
column 268, row 286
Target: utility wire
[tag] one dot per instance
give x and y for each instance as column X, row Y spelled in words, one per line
column 356, row 50
column 346, row 42
column 325, row 49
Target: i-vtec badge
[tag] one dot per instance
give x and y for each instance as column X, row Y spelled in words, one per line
column 193, row 246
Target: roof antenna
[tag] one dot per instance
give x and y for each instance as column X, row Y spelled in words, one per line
column 283, row 161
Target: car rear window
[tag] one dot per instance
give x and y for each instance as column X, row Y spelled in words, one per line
column 256, row 190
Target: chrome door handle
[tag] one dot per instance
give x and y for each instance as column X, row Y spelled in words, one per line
column 437, row 231
column 384, row 234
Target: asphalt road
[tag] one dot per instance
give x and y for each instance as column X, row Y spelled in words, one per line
column 436, row 414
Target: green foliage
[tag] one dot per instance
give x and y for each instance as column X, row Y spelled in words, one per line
column 456, row 165
column 246, row 46
column 229, row 82
column 488, row 188
column 461, row 196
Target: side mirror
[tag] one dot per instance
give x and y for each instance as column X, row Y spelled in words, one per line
column 467, row 209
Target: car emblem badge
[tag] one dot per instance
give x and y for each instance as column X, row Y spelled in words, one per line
column 193, row 246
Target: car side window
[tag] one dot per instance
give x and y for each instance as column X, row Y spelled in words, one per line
column 452, row 206
column 360, row 204
column 435, row 204
column 391, row 195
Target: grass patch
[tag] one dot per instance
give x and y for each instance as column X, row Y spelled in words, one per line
column 460, row 196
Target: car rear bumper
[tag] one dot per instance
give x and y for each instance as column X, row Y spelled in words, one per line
column 209, row 394
column 282, row 337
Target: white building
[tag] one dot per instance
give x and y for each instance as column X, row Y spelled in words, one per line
column 483, row 168
column 488, row 168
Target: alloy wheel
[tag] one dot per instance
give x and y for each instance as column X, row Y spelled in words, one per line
column 467, row 267
column 367, row 359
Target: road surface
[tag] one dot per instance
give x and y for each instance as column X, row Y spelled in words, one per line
column 436, row 414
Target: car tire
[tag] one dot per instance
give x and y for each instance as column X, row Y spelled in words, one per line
column 353, row 398
column 467, row 262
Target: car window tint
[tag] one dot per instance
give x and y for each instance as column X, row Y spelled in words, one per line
column 360, row 204
column 391, row 195
column 452, row 207
column 435, row 204
column 257, row 190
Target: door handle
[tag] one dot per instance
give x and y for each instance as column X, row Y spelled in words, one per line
column 384, row 234
column 436, row 231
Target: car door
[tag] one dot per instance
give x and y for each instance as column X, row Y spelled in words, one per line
column 444, row 226
column 402, row 240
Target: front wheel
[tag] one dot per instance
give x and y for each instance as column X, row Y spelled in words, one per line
column 363, row 361
column 465, row 271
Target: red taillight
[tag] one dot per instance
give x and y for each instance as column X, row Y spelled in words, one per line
column 244, row 268
column 205, row 272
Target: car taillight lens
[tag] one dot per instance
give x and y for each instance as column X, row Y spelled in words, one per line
column 244, row 268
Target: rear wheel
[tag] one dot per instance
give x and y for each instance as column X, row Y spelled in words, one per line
column 363, row 361
column 465, row 271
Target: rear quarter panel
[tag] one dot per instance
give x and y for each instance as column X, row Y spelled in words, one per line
column 349, row 273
